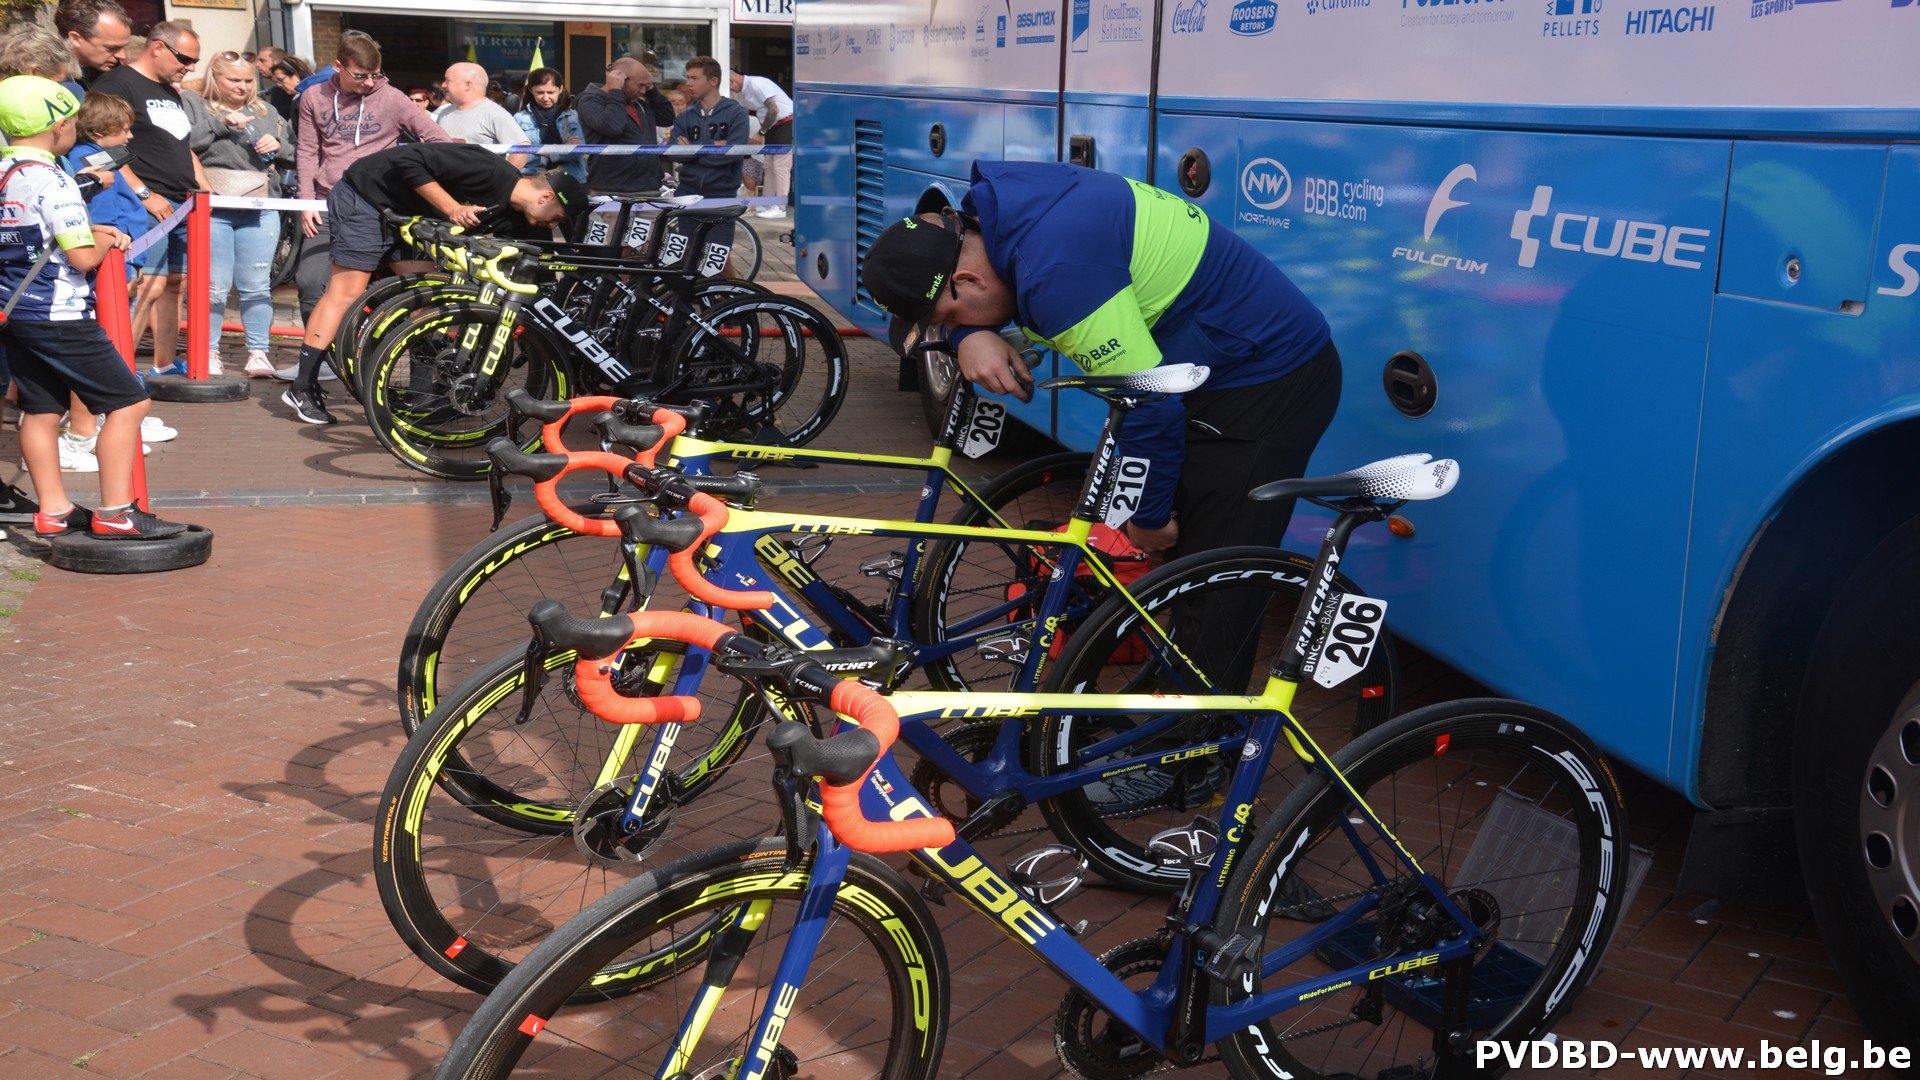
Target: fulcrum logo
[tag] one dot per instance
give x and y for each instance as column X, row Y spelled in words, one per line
column 1265, row 183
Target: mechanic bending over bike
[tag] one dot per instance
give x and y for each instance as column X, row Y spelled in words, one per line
column 456, row 182
column 1120, row 277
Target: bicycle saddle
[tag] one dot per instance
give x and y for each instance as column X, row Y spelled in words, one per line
column 1412, row 477
column 1169, row 379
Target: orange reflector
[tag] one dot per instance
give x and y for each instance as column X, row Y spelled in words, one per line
column 1440, row 744
column 532, row 1025
column 459, row 946
column 1373, row 691
column 1400, row 526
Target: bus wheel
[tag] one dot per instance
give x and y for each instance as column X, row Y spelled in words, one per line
column 1856, row 786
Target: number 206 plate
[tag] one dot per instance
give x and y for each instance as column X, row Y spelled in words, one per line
column 1349, row 641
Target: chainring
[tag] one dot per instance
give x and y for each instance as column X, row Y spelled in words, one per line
column 973, row 741
column 1091, row 1043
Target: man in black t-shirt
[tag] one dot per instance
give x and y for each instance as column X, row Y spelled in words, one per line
column 455, row 182
column 162, row 170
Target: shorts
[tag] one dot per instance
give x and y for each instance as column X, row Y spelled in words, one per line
column 360, row 239
column 168, row 255
column 51, row 360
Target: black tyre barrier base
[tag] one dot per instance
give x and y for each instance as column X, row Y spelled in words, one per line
column 82, row 554
column 212, row 388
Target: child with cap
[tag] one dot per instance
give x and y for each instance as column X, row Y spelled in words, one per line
column 47, row 247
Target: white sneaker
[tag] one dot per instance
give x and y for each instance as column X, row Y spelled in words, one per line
column 258, row 366
column 215, row 366
column 771, row 212
column 292, row 371
column 154, row 429
column 76, row 455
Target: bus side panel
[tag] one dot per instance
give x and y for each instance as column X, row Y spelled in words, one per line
column 1789, row 382
column 825, row 217
column 1565, row 319
column 1119, row 134
column 971, row 130
column 1029, row 133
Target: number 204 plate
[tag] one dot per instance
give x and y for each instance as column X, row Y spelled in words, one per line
column 1349, row 642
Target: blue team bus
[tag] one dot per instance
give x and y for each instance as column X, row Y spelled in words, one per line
column 1650, row 269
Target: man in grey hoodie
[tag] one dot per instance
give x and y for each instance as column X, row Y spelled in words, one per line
column 352, row 115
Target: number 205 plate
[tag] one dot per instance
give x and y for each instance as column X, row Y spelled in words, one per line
column 1349, row 642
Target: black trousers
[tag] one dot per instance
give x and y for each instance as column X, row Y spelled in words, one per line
column 1237, row 440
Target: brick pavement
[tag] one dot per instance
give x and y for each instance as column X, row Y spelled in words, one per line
column 191, row 761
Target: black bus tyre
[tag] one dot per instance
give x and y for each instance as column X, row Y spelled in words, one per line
column 1856, row 787
column 213, row 388
column 83, row 554
column 1108, row 654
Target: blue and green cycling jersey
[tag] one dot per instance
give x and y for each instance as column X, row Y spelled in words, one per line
column 1118, row 276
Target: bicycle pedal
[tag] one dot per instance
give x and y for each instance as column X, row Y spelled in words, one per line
column 1231, row 961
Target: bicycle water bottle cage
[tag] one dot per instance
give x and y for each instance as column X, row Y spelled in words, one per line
column 1124, row 390
column 1407, row 478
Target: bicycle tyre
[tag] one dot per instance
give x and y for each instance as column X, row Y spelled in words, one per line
column 286, row 250
column 476, row 857
column 379, row 309
column 746, row 262
column 486, row 594
column 962, row 574
column 1111, row 824
column 407, row 394
column 794, row 398
column 880, row 941
column 1476, row 752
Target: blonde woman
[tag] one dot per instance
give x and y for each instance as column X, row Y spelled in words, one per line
column 237, row 136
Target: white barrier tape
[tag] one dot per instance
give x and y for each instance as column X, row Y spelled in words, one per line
column 604, row 203
column 154, row 235
column 247, row 202
column 592, row 149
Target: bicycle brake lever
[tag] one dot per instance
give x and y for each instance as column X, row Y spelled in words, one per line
column 533, row 675
column 799, row 823
column 501, row 497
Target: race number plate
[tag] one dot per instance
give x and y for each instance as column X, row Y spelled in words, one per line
column 1128, row 486
column 598, row 228
column 984, row 427
column 639, row 227
column 1348, row 643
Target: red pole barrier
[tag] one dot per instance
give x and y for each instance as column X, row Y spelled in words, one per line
column 199, row 284
column 110, row 310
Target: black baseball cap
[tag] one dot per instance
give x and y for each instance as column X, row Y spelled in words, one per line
column 573, row 196
column 907, row 267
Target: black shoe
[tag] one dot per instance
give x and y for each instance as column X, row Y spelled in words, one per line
column 133, row 523
column 309, row 406
column 16, row 506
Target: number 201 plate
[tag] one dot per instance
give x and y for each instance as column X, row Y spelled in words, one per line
column 1350, row 641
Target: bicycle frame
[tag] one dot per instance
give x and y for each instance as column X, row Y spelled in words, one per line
column 1153, row 1012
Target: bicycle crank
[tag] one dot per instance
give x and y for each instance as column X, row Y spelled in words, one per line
column 1091, row 1043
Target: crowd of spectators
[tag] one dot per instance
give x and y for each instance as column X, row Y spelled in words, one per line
column 149, row 120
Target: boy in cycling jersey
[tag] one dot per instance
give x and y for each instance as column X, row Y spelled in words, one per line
column 57, row 349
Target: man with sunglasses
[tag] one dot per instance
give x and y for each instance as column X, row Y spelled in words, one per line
column 1120, row 277
column 162, row 169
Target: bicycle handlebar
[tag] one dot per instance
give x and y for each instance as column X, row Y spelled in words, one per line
column 842, row 761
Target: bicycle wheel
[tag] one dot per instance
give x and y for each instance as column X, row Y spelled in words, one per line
column 874, row 1004
column 286, row 252
column 966, row 585
column 491, row 833
column 744, row 260
column 419, row 394
column 478, row 608
column 1516, row 815
column 382, row 306
column 1111, row 822
column 776, row 367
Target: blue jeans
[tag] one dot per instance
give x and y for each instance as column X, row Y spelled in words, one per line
column 242, row 257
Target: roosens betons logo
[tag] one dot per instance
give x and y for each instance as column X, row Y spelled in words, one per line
column 1251, row 18
column 1265, row 183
